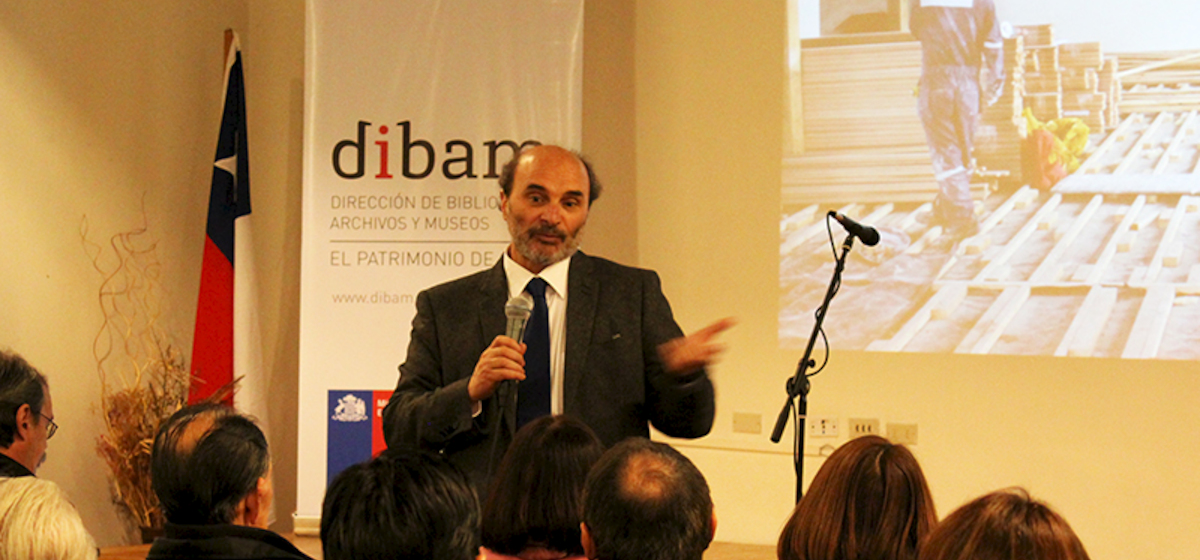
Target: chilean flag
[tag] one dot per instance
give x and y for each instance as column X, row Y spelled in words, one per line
column 229, row 200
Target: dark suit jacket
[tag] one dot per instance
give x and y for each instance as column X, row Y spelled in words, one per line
column 613, row 378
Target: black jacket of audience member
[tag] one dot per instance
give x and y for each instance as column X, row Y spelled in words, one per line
column 222, row 542
column 12, row 469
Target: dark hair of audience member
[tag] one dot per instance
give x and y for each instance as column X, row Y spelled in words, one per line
column 402, row 504
column 869, row 500
column 1003, row 525
column 644, row 500
column 535, row 494
column 201, row 477
column 20, row 384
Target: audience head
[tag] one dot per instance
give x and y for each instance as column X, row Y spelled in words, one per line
column 535, row 494
column 1004, row 525
column 869, row 500
column 211, row 465
column 645, row 501
column 402, row 504
column 38, row 521
column 26, row 413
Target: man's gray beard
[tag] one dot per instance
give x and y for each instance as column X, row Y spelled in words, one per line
column 524, row 246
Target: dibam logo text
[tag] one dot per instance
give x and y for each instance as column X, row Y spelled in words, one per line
column 418, row 157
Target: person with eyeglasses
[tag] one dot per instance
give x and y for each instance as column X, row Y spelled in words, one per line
column 26, row 416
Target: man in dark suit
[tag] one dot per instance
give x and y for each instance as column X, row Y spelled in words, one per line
column 614, row 357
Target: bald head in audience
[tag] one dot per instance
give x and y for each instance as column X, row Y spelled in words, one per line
column 211, row 470
column 211, row 465
column 646, row 501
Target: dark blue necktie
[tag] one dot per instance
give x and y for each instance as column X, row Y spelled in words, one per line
column 533, row 394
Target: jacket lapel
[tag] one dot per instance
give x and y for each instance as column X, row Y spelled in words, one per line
column 494, row 290
column 583, row 292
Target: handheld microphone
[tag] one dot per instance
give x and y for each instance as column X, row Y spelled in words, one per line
column 518, row 310
column 868, row 234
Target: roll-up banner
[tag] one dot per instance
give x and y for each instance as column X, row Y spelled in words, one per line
column 411, row 110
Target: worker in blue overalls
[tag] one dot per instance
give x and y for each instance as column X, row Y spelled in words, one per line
column 958, row 37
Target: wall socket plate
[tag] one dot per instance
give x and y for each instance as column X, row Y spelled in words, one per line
column 747, row 423
column 905, row 434
column 864, row 427
column 822, row 426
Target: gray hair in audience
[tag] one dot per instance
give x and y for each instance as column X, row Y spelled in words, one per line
column 38, row 522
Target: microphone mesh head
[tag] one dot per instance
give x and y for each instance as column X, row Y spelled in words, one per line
column 519, row 307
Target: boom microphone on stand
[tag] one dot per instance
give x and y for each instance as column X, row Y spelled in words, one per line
column 867, row 234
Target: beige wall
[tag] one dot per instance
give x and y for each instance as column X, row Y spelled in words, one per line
column 105, row 105
column 683, row 100
column 1111, row 444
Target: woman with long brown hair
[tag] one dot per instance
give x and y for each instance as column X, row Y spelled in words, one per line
column 1001, row 525
column 869, row 501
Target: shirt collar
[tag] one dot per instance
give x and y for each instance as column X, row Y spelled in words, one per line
column 10, row 467
column 555, row 275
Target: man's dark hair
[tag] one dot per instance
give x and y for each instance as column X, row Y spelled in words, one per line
column 206, row 459
column 20, row 384
column 646, row 501
column 535, row 495
column 510, row 169
column 402, row 504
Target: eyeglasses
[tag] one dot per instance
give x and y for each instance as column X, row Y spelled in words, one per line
column 53, row 427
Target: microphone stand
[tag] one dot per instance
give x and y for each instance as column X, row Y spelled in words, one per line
column 798, row 385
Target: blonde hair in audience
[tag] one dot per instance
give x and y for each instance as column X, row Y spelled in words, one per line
column 1002, row 525
column 38, row 522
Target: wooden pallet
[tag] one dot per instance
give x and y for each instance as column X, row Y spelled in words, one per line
column 1145, row 154
column 1064, row 275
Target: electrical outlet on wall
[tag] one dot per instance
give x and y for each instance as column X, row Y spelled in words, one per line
column 864, row 427
column 822, row 426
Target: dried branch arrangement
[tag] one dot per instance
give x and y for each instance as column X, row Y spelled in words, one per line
column 143, row 377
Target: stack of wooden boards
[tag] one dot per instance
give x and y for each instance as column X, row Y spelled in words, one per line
column 858, row 97
column 1068, row 79
column 862, row 136
column 1159, row 81
column 1002, row 128
column 864, row 141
